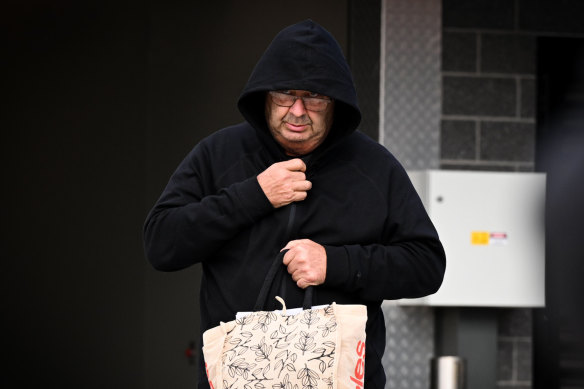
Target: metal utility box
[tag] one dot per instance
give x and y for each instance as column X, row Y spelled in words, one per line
column 492, row 227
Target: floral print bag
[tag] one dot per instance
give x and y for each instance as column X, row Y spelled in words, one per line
column 320, row 347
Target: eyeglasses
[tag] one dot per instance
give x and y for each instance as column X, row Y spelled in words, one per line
column 284, row 99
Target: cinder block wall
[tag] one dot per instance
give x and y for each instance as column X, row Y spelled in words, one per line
column 489, row 82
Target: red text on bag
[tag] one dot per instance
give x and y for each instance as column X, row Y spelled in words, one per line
column 207, row 371
column 360, row 366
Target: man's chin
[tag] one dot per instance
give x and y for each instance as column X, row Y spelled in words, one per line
column 298, row 147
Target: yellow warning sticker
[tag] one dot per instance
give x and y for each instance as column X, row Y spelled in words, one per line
column 479, row 238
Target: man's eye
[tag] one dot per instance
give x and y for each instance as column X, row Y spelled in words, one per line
column 313, row 94
column 286, row 92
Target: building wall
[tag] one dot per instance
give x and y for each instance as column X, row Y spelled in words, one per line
column 487, row 105
column 410, row 129
column 489, row 78
column 410, row 82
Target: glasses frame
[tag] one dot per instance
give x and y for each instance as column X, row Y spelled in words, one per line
column 277, row 97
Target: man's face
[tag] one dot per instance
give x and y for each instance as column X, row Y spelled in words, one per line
column 297, row 129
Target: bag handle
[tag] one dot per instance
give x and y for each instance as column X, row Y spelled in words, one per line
column 276, row 266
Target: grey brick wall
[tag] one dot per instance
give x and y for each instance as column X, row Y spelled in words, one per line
column 489, row 80
column 514, row 349
column 488, row 92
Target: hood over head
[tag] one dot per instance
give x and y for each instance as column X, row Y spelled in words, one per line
column 303, row 56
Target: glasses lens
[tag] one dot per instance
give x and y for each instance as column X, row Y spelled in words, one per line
column 314, row 104
column 283, row 99
column 310, row 103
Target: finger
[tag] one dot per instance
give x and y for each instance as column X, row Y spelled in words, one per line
column 301, row 186
column 290, row 245
column 302, row 284
column 287, row 257
column 295, row 164
column 299, row 196
column 296, row 176
column 294, row 272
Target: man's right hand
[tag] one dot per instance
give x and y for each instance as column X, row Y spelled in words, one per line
column 285, row 182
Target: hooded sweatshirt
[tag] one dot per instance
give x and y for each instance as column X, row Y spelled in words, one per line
column 380, row 243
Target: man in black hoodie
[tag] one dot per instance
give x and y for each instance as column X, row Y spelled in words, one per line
column 297, row 175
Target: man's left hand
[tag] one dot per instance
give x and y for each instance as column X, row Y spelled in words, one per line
column 306, row 262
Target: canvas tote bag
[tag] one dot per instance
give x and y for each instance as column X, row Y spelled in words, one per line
column 313, row 348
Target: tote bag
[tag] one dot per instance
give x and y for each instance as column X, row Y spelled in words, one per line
column 312, row 348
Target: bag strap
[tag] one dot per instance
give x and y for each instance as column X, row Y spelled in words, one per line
column 276, row 266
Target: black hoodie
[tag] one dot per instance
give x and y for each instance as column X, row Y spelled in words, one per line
column 362, row 207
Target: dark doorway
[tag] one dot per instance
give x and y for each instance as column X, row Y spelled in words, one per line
column 559, row 328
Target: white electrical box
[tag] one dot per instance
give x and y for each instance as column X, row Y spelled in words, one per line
column 492, row 227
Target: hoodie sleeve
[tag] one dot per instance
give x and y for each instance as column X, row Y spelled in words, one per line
column 409, row 262
column 192, row 220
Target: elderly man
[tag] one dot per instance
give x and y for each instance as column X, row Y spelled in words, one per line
column 297, row 175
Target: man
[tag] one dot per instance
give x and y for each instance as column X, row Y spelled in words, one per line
column 297, row 175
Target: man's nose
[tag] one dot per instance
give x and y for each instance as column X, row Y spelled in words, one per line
column 298, row 108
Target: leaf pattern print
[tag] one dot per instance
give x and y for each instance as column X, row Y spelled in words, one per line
column 266, row 350
column 329, row 326
column 260, row 375
column 285, row 360
column 326, row 356
column 309, row 377
column 262, row 350
column 305, row 341
column 283, row 337
column 226, row 384
column 329, row 310
column 240, row 345
column 240, row 367
column 264, row 320
column 310, row 317
column 290, row 320
column 285, row 384
column 242, row 321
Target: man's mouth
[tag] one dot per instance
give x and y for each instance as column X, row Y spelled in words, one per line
column 296, row 127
